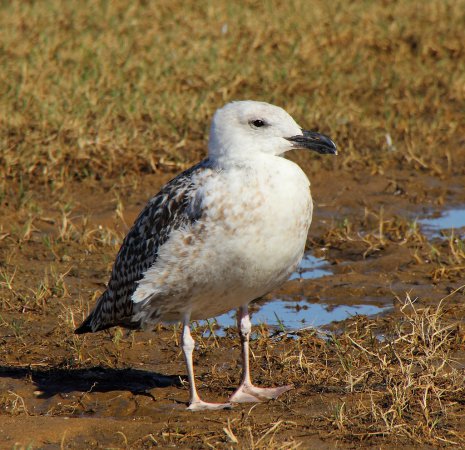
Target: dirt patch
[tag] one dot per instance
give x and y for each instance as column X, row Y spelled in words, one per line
column 102, row 103
column 127, row 390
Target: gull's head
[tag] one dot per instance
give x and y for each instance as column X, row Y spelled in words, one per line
column 244, row 128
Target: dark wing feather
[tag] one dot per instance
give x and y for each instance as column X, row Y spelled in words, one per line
column 167, row 211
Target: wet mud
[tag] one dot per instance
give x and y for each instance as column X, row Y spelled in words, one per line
column 128, row 390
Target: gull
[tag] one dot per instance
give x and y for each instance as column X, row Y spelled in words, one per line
column 224, row 232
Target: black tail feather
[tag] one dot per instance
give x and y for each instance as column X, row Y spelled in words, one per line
column 85, row 326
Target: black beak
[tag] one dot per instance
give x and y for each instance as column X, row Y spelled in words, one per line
column 314, row 141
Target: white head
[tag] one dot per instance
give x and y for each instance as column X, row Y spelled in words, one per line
column 246, row 127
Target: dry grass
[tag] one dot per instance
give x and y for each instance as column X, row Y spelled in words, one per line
column 98, row 96
column 404, row 384
column 373, row 233
column 450, row 255
column 105, row 89
column 409, row 378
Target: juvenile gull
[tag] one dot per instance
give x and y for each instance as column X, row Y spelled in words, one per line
column 221, row 234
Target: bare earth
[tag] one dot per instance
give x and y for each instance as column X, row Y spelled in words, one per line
column 120, row 390
column 103, row 102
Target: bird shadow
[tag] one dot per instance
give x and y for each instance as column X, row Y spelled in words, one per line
column 52, row 381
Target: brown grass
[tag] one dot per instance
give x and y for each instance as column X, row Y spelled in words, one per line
column 98, row 90
column 409, row 382
column 101, row 102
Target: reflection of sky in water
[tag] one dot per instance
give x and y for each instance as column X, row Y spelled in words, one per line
column 299, row 314
column 452, row 218
column 294, row 315
column 310, row 267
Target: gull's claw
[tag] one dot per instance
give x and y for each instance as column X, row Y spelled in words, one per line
column 200, row 405
column 252, row 394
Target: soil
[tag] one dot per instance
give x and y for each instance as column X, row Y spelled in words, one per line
column 127, row 390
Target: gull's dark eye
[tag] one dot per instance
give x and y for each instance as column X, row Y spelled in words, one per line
column 258, row 123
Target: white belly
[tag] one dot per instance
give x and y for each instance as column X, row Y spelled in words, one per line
column 249, row 241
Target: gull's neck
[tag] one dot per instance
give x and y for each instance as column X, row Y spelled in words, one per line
column 243, row 159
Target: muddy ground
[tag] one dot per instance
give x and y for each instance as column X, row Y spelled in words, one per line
column 103, row 102
column 126, row 390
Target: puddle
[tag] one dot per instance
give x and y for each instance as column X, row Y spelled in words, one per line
column 447, row 220
column 311, row 267
column 292, row 315
column 288, row 315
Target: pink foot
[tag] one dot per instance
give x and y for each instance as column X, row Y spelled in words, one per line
column 200, row 405
column 250, row 393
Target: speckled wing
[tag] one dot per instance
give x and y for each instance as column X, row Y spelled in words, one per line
column 173, row 207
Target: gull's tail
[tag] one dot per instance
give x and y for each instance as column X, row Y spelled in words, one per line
column 106, row 314
column 85, row 326
column 101, row 317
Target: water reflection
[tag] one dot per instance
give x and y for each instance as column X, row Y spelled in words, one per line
column 293, row 315
column 449, row 219
column 311, row 267
column 290, row 314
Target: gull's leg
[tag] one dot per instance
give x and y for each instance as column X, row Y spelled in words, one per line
column 247, row 392
column 188, row 343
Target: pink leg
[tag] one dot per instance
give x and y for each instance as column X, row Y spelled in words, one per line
column 195, row 404
column 247, row 392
